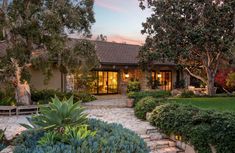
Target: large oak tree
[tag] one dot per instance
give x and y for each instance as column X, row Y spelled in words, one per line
column 197, row 34
column 36, row 31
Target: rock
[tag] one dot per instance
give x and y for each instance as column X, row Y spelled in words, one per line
column 176, row 92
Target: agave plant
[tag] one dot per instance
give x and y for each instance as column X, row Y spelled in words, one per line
column 58, row 115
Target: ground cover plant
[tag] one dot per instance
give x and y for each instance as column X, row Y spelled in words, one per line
column 216, row 103
column 64, row 126
column 137, row 96
column 200, row 128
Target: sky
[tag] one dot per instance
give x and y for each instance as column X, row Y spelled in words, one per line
column 119, row 20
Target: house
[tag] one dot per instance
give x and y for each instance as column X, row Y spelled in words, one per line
column 118, row 65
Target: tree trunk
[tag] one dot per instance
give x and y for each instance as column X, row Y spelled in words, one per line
column 22, row 90
column 210, row 83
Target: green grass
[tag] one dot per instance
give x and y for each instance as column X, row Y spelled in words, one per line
column 215, row 103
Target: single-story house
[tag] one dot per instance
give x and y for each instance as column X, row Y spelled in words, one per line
column 118, row 65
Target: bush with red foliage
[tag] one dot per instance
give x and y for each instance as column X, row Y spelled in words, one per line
column 221, row 76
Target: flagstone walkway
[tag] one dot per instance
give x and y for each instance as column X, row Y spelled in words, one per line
column 111, row 111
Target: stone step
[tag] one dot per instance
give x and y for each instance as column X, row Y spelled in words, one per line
column 148, row 131
column 158, row 144
column 164, row 143
column 156, row 136
column 167, row 150
column 145, row 136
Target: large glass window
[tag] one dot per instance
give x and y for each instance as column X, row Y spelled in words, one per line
column 164, row 79
column 107, row 82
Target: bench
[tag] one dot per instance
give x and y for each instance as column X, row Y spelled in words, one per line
column 25, row 110
column 8, row 110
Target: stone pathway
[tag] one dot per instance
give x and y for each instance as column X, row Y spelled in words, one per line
column 111, row 111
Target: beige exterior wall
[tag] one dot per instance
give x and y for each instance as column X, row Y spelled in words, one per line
column 37, row 80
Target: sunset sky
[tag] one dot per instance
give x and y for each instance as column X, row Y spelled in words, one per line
column 119, row 20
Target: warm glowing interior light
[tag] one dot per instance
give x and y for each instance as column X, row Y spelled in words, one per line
column 159, row 75
column 127, row 75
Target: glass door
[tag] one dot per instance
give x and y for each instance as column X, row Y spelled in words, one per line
column 112, row 82
column 165, row 79
column 107, row 82
column 102, row 82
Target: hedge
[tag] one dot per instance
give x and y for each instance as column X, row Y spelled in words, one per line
column 44, row 96
column 137, row 96
column 144, row 106
column 201, row 128
column 108, row 138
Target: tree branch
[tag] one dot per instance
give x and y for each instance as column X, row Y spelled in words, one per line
column 196, row 76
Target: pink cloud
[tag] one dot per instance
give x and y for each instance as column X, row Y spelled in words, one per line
column 109, row 5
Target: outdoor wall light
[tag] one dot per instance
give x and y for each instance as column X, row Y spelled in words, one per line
column 127, row 75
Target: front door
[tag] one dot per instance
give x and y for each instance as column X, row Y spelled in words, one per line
column 107, row 82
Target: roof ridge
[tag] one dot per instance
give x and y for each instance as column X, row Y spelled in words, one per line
column 110, row 42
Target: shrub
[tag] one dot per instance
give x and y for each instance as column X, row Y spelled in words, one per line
column 2, row 139
column 145, row 105
column 108, row 138
column 7, row 101
column 44, row 96
column 133, row 86
column 57, row 115
column 201, row 128
column 156, row 94
column 187, row 94
column 180, row 84
column 2, row 95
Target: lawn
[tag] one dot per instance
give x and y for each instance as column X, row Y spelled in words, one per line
column 217, row 103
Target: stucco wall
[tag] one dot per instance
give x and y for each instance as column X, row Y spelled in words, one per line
column 37, row 80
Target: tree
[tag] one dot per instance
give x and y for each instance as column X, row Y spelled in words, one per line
column 101, row 37
column 230, row 81
column 222, row 76
column 36, row 34
column 193, row 33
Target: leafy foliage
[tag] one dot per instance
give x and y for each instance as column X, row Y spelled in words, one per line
column 2, row 139
column 44, row 96
column 144, row 106
column 108, row 138
column 222, row 76
column 194, row 34
column 36, row 34
column 7, row 101
column 137, row 96
column 201, row 128
column 230, row 81
column 133, row 86
column 58, row 115
column 187, row 94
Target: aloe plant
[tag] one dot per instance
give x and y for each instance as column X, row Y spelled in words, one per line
column 58, row 115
